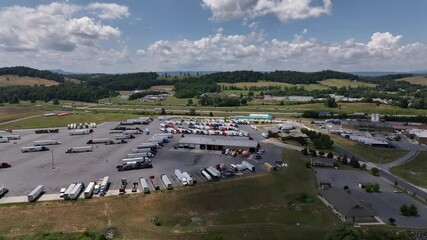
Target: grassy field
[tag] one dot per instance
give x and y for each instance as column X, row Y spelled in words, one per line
column 371, row 154
column 8, row 113
column 77, row 117
column 29, row 81
column 345, row 83
column 422, row 80
column 414, row 171
column 263, row 206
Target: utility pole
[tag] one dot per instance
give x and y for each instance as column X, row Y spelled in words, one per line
column 53, row 162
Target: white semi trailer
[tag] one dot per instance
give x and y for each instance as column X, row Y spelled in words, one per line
column 99, row 141
column 136, row 160
column 4, row 140
column 213, row 172
column 249, row 166
column 75, row 193
column 206, row 175
column 34, row 149
column 33, row 195
column 89, row 190
column 68, row 191
column 104, row 185
column 144, row 185
column 46, row 142
column 138, row 155
column 12, row 137
column 166, row 181
column 142, row 150
column 79, row 149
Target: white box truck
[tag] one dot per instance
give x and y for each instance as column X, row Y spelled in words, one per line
column 89, row 190
column 34, row 149
column 104, row 185
column 33, row 195
column 144, row 185
column 46, row 142
column 188, row 177
column 79, row 149
column 249, row 166
column 181, row 177
column 166, row 181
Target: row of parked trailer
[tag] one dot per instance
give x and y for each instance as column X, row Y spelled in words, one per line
column 7, row 138
column 40, row 146
column 81, row 125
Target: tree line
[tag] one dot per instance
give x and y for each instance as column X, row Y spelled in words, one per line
column 31, row 72
column 192, row 87
column 66, row 91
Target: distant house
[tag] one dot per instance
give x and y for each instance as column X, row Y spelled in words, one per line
column 345, row 206
column 322, row 162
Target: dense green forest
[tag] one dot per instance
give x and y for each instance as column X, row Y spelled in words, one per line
column 66, row 91
column 31, row 72
column 192, row 87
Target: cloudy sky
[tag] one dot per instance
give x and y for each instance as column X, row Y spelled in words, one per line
column 169, row 35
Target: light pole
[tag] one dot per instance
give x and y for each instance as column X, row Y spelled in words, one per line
column 53, row 162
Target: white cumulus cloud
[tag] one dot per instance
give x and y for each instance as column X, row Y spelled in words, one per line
column 252, row 51
column 110, row 10
column 284, row 10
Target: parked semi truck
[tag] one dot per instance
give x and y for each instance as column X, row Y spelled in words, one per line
column 142, row 150
column 181, row 177
column 4, row 140
column 168, row 135
column 98, row 141
column 188, row 177
column 132, row 131
column 75, row 192
column 89, row 190
column 12, row 137
column 124, row 136
column 46, row 142
column 155, row 183
column 79, row 149
column 34, row 149
column 148, row 145
column 144, row 185
column 41, row 131
column 133, row 166
column 166, row 181
column 33, row 195
column 215, row 174
column 104, row 185
column 3, row 191
column 249, row 166
column 68, row 191
column 80, row 132
column 141, row 154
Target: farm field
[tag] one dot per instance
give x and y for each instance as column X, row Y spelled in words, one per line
column 28, row 81
column 422, row 80
column 369, row 153
column 345, row 83
column 8, row 113
column 76, row 117
column 414, row 171
column 263, row 206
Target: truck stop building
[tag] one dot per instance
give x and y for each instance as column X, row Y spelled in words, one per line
column 218, row 143
column 345, row 206
column 255, row 117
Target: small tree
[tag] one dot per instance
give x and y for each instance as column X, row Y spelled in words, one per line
column 396, row 183
column 163, row 112
column 344, row 160
column 282, row 103
column 321, row 153
column 412, row 210
column 392, row 221
column 375, row 171
column 192, row 112
column 404, row 210
column 55, row 101
column 190, row 102
column 330, row 155
column 304, row 151
column 376, row 187
column 210, row 114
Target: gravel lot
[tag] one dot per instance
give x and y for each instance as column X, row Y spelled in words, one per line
column 31, row 169
column 385, row 204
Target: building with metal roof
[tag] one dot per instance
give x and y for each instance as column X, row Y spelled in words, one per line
column 255, row 117
column 345, row 206
column 218, row 143
column 365, row 125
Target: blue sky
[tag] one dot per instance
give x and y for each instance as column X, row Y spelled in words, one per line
column 168, row 35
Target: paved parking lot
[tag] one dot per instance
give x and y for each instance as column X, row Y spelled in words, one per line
column 31, row 169
column 385, row 204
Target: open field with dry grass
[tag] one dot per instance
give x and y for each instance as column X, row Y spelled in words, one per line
column 28, row 81
column 422, row 80
column 263, row 206
column 345, row 83
column 14, row 112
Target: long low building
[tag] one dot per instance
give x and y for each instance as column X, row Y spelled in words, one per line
column 218, row 143
column 365, row 125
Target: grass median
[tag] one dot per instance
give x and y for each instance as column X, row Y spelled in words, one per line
column 414, row 171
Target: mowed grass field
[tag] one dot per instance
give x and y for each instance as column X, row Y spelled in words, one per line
column 368, row 153
column 28, row 81
column 422, row 80
column 76, row 117
column 414, row 171
column 262, row 206
column 345, row 83
column 8, row 113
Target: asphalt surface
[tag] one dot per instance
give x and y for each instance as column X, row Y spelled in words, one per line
column 31, row 169
column 385, row 204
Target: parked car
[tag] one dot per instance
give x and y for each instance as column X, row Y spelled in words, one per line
column 258, row 156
